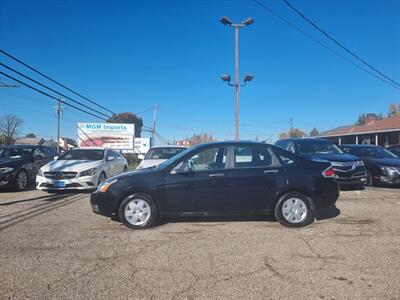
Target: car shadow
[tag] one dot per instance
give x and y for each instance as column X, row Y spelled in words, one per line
column 328, row 213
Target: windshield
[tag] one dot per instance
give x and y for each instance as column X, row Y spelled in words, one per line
column 376, row 152
column 88, row 154
column 163, row 153
column 15, row 153
column 317, row 147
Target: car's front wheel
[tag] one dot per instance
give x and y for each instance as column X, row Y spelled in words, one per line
column 138, row 211
column 294, row 210
column 21, row 180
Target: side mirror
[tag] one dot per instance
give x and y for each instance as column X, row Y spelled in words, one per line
column 140, row 156
column 111, row 158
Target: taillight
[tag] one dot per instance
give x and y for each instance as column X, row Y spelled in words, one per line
column 329, row 172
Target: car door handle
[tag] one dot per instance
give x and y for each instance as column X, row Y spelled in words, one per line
column 216, row 175
column 271, row 171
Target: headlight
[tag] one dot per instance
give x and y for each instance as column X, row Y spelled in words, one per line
column 359, row 163
column 6, row 170
column 89, row 172
column 390, row 170
column 40, row 172
column 103, row 187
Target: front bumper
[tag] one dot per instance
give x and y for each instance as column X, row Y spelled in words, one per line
column 77, row 183
column 103, row 204
column 7, row 179
column 387, row 179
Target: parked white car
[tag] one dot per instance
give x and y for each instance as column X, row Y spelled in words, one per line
column 80, row 169
column 159, row 154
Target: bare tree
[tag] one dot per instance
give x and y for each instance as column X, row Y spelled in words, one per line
column 9, row 128
column 201, row 138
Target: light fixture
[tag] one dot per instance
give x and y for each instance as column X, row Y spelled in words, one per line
column 226, row 21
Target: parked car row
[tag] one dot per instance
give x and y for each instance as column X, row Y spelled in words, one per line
column 77, row 169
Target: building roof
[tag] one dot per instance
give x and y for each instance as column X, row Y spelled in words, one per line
column 387, row 124
column 29, row 141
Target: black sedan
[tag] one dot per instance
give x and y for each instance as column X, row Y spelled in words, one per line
column 19, row 164
column 224, row 178
column 383, row 166
column 349, row 169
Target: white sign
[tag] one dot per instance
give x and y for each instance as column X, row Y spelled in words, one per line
column 142, row 145
column 111, row 135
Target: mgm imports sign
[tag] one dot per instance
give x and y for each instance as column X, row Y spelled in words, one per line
column 110, row 135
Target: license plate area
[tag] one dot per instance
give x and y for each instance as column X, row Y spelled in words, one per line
column 59, row 184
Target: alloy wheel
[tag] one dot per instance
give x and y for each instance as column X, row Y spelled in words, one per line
column 21, row 181
column 137, row 212
column 294, row 210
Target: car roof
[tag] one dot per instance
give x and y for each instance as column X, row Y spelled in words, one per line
column 305, row 139
column 90, row 148
column 21, row 146
column 229, row 143
column 169, row 146
column 360, row 146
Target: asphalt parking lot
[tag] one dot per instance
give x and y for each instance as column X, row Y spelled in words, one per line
column 53, row 246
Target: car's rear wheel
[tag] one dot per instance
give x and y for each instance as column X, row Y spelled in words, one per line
column 138, row 211
column 294, row 210
column 21, row 180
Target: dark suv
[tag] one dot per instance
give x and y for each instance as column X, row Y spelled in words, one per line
column 19, row 164
column 349, row 169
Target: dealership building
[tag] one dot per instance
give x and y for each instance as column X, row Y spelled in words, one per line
column 385, row 132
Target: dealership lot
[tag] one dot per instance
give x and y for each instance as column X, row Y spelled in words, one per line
column 53, row 246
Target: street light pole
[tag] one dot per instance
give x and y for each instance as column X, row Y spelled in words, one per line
column 237, row 81
column 227, row 78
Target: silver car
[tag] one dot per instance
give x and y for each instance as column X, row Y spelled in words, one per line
column 159, row 154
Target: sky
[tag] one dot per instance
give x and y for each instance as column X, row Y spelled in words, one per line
column 131, row 55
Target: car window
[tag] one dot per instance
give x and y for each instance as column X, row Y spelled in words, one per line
column 38, row 154
column 253, row 156
column 287, row 158
column 15, row 153
column 80, row 154
column 290, row 147
column 46, row 152
column 209, row 159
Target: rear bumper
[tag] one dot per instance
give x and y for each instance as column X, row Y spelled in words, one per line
column 354, row 180
column 326, row 194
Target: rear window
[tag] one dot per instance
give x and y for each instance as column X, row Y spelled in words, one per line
column 317, row 147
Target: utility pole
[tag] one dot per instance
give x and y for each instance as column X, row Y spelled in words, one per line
column 153, row 131
column 237, row 85
column 59, row 110
column 291, row 127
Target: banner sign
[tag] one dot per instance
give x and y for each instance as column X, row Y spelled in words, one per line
column 107, row 135
column 142, row 145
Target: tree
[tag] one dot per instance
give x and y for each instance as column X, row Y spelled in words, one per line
column 130, row 118
column 314, row 132
column 201, row 138
column 394, row 110
column 9, row 128
column 295, row 134
column 362, row 119
column 30, row 135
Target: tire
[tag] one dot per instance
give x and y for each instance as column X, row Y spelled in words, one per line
column 21, row 180
column 102, row 177
column 294, row 210
column 138, row 211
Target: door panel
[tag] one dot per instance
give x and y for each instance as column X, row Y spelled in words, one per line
column 255, row 178
column 203, row 187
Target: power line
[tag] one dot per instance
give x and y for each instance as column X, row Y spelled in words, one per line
column 337, row 42
column 322, row 44
column 50, row 96
column 54, row 81
column 54, row 91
